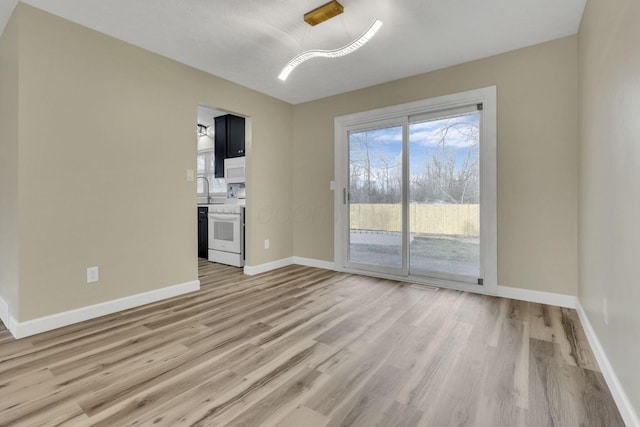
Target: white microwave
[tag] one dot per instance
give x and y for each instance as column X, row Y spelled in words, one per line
column 234, row 170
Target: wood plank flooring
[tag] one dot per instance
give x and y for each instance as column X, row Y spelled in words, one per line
column 302, row 347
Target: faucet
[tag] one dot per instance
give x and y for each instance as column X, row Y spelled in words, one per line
column 207, row 181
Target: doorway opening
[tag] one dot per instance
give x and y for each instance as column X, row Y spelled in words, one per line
column 223, row 142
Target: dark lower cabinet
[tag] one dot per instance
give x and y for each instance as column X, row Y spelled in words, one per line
column 203, row 232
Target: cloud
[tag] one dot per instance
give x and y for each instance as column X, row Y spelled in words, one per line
column 458, row 132
column 461, row 133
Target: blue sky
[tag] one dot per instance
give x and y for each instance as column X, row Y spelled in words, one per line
column 424, row 137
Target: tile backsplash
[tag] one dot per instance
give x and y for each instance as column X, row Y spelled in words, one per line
column 233, row 190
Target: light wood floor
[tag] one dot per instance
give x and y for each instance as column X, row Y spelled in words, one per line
column 307, row 347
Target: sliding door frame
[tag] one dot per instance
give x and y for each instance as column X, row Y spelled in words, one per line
column 488, row 182
column 382, row 269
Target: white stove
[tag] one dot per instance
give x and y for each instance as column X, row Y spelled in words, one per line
column 227, row 208
column 226, row 233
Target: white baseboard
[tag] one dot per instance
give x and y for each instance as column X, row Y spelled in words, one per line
column 310, row 262
column 252, row 270
column 629, row 415
column 58, row 320
column 560, row 300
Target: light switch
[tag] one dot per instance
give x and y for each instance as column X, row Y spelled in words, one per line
column 190, row 175
column 332, row 185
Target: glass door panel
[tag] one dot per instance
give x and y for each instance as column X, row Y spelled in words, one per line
column 444, row 197
column 375, row 211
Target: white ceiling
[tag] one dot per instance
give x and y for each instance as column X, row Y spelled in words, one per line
column 207, row 114
column 249, row 41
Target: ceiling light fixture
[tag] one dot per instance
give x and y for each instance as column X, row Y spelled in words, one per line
column 324, row 12
column 335, row 53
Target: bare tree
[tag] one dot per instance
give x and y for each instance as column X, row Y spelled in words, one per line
column 371, row 172
column 450, row 172
column 445, row 177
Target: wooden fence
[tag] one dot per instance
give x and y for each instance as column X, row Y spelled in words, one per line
column 425, row 218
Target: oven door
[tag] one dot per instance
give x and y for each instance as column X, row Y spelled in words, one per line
column 224, row 232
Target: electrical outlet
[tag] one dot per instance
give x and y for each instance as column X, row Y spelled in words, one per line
column 605, row 311
column 266, row 243
column 92, row 274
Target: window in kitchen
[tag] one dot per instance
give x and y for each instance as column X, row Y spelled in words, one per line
column 206, row 168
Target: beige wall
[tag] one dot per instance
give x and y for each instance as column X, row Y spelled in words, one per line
column 9, row 219
column 609, row 164
column 107, row 134
column 537, row 149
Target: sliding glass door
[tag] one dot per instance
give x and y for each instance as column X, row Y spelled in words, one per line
column 417, row 195
column 375, row 198
column 444, row 191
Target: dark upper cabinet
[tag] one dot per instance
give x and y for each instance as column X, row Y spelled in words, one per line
column 235, row 136
column 229, row 140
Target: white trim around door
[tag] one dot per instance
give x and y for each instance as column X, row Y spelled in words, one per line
column 485, row 100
